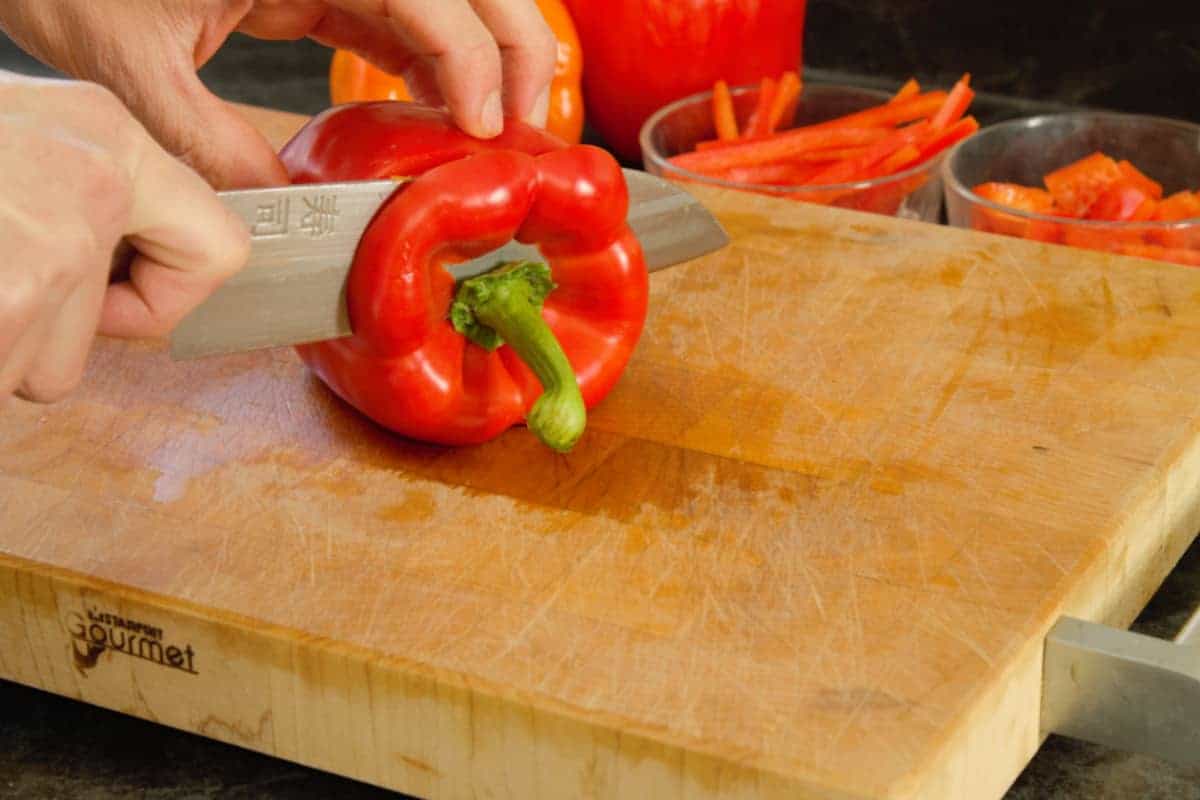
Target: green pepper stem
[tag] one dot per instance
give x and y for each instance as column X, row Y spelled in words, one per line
column 505, row 305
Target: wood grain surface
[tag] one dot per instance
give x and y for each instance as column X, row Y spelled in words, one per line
column 809, row 547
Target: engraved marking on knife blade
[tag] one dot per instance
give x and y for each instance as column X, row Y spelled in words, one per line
column 270, row 219
column 320, row 218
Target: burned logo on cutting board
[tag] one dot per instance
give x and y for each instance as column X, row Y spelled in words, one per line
column 95, row 631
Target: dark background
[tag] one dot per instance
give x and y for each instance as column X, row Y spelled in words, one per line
column 1025, row 57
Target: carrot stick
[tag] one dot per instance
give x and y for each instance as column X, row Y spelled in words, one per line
column 757, row 124
column 781, row 173
column 902, row 158
column 787, row 90
column 955, row 104
column 910, row 89
column 828, row 154
column 723, row 117
column 888, row 114
column 779, row 147
column 856, row 169
column 942, row 139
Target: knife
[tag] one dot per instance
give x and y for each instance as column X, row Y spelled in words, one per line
column 303, row 238
column 1124, row 690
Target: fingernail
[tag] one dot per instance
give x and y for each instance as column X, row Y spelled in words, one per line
column 491, row 116
column 541, row 109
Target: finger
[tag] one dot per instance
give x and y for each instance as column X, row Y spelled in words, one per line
column 23, row 355
column 378, row 44
column 188, row 244
column 62, row 352
column 527, row 52
column 448, row 35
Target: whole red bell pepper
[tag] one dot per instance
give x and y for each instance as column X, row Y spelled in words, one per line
column 639, row 55
column 535, row 342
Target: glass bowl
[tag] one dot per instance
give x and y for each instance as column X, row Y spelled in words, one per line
column 915, row 193
column 1022, row 151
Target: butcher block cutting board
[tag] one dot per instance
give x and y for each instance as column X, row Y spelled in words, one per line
column 809, row 547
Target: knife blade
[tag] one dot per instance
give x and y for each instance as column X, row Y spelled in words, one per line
column 303, row 238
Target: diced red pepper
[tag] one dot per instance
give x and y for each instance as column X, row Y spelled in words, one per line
column 1147, row 184
column 1177, row 208
column 1021, row 198
column 1181, row 205
column 1123, row 201
column 1178, row 255
column 1076, row 186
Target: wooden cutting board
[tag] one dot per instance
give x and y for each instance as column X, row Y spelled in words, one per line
column 809, row 547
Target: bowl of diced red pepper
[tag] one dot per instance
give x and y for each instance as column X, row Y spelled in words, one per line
column 1121, row 183
column 830, row 144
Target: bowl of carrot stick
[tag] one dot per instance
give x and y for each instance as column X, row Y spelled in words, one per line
column 835, row 145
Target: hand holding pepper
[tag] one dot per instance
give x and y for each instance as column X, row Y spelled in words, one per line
column 484, row 58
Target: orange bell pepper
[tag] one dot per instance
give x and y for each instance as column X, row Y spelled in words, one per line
column 353, row 78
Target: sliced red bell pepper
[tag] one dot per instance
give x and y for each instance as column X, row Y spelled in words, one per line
column 437, row 373
column 1077, row 185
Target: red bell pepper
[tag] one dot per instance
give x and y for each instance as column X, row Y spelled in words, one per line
column 525, row 341
column 639, row 55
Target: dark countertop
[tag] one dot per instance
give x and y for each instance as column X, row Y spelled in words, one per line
column 1024, row 57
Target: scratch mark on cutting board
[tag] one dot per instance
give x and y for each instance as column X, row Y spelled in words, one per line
column 964, row 363
column 544, row 607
